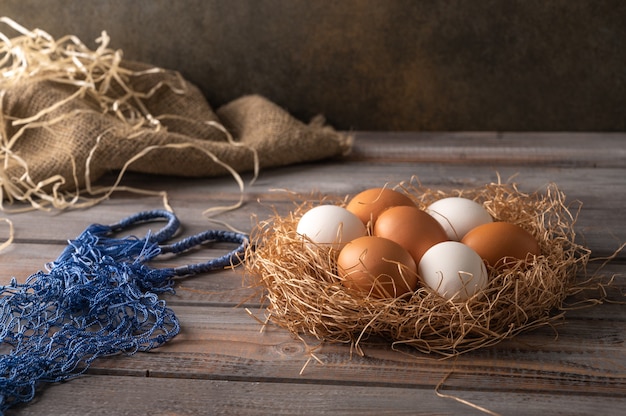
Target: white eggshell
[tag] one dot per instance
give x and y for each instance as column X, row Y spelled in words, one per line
column 453, row 270
column 458, row 215
column 330, row 225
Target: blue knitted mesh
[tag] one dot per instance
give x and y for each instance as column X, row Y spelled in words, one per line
column 98, row 298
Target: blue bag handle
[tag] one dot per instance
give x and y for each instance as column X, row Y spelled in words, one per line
column 233, row 257
column 164, row 234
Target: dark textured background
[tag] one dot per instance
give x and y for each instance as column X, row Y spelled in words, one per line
column 377, row 65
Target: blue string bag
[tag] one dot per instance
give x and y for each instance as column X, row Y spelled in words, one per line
column 98, row 298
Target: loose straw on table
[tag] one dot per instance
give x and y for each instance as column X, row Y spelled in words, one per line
column 11, row 236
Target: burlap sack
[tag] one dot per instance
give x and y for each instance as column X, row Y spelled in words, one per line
column 61, row 148
column 69, row 115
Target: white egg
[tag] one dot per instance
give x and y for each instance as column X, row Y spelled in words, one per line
column 453, row 270
column 458, row 215
column 330, row 225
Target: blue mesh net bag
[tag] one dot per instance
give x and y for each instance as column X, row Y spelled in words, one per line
column 98, row 298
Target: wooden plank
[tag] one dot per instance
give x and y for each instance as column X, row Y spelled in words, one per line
column 121, row 396
column 590, row 186
column 508, row 148
column 229, row 287
column 224, row 343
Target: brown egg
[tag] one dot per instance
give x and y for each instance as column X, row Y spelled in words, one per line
column 499, row 243
column 415, row 230
column 377, row 266
column 368, row 204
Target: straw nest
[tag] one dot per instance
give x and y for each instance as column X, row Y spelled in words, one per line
column 304, row 294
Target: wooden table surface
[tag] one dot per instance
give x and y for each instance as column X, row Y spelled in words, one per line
column 223, row 363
